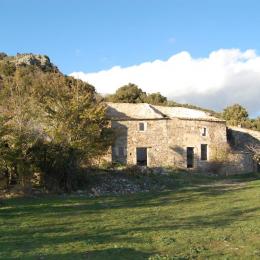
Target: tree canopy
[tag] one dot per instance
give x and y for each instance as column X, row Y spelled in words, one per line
column 235, row 115
column 130, row 93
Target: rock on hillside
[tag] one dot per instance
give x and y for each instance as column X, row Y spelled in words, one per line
column 42, row 61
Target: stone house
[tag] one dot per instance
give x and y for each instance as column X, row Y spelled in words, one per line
column 160, row 136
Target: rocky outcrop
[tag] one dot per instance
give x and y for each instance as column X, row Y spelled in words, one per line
column 41, row 61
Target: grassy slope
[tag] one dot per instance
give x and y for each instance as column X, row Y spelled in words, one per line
column 218, row 219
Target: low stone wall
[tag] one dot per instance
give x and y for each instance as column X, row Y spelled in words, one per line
column 240, row 138
column 238, row 163
column 240, row 159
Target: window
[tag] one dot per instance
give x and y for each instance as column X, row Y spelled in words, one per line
column 141, row 126
column 119, row 154
column 204, row 152
column 204, row 131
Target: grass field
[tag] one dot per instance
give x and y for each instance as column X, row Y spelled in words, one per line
column 199, row 218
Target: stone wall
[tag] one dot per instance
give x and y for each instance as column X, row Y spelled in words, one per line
column 240, row 138
column 154, row 138
column 167, row 141
column 188, row 133
column 239, row 162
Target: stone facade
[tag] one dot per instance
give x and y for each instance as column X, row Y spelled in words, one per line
column 166, row 141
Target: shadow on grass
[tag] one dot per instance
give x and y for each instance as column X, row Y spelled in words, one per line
column 108, row 254
column 68, row 206
column 37, row 233
column 56, row 237
column 65, row 233
column 75, row 205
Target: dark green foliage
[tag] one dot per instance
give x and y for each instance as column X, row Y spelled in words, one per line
column 131, row 93
column 128, row 94
column 60, row 165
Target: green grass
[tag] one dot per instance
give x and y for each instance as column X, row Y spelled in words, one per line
column 199, row 218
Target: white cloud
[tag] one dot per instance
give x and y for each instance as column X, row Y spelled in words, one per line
column 225, row 77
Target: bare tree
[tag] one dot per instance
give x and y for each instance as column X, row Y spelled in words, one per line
column 254, row 149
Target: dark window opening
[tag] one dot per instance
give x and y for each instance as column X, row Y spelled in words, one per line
column 119, row 154
column 190, row 157
column 204, row 152
column 141, row 156
column 121, row 151
column 141, row 126
column 204, row 132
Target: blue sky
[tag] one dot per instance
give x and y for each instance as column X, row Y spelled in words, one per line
column 92, row 35
column 203, row 52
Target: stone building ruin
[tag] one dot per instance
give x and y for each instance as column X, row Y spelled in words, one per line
column 160, row 136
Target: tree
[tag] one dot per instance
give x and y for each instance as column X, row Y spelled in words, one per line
column 130, row 93
column 76, row 131
column 5, row 151
column 255, row 124
column 254, row 149
column 156, row 99
column 22, row 116
column 235, row 115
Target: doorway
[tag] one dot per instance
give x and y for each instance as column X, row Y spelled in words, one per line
column 190, row 157
column 258, row 167
column 141, row 156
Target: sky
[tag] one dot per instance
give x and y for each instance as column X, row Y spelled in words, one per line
column 204, row 52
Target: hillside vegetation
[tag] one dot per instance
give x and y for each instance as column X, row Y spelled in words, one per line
column 49, row 123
